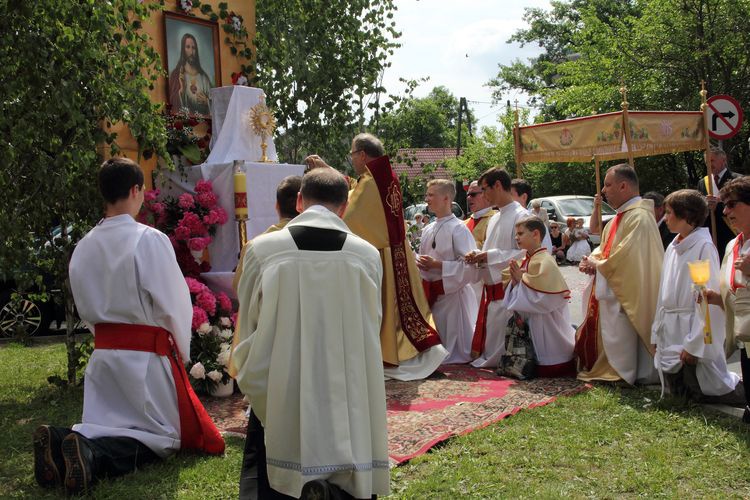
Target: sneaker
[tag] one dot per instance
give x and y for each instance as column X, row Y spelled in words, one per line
column 49, row 466
column 78, row 464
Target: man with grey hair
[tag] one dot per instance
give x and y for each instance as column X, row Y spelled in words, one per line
column 720, row 175
column 409, row 342
column 481, row 212
column 308, row 355
column 614, row 341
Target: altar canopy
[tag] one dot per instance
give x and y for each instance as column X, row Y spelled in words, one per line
column 580, row 139
column 229, row 121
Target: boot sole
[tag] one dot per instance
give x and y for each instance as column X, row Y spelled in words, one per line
column 45, row 471
column 77, row 473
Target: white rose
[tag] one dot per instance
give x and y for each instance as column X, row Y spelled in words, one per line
column 204, row 328
column 226, row 334
column 215, row 375
column 215, row 331
column 225, row 322
column 223, row 357
column 198, row 371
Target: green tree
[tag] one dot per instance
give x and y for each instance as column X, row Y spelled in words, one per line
column 69, row 69
column 424, row 122
column 321, row 63
column 660, row 49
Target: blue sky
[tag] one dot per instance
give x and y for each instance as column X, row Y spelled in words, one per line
column 438, row 35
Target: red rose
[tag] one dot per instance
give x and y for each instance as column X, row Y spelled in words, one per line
column 178, row 125
column 202, row 144
column 192, row 122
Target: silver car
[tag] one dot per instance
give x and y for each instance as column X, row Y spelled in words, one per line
column 560, row 208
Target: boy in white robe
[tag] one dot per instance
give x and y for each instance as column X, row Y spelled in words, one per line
column 499, row 248
column 686, row 363
column 446, row 277
column 308, row 356
column 538, row 292
column 138, row 405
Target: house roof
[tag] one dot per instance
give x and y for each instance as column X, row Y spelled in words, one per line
column 431, row 158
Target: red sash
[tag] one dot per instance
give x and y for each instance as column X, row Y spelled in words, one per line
column 736, row 255
column 416, row 328
column 472, row 224
column 567, row 369
column 587, row 337
column 433, row 290
column 490, row 293
column 197, row 430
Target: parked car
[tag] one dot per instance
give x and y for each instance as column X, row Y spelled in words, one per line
column 559, row 208
column 412, row 210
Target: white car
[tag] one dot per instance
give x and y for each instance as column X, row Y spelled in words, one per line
column 560, row 208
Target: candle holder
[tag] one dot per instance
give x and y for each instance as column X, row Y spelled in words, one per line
column 700, row 272
column 240, row 201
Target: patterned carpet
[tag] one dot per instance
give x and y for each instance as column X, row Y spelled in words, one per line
column 425, row 412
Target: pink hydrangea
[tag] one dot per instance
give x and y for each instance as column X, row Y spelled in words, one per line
column 150, row 195
column 182, row 232
column 225, row 303
column 203, row 186
column 194, row 285
column 206, row 301
column 221, row 215
column 199, row 317
column 206, row 199
column 186, row 201
column 158, row 208
column 193, row 222
column 198, row 244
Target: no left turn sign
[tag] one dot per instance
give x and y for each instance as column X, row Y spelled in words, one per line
column 724, row 116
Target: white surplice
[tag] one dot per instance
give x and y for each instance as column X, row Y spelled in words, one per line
column 126, row 272
column 454, row 312
column 679, row 320
column 501, row 248
column 309, row 358
column 548, row 316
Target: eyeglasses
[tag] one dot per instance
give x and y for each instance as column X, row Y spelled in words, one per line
column 472, row 195
column 730, row 204
column 353, row 152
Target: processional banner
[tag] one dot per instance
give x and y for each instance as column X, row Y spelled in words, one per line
column 579, row 139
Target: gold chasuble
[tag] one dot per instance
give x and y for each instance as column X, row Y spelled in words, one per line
column 375, row 213
column 478, row 227
column 631, row 264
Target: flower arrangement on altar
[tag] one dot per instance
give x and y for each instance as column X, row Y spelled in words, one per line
column 181, row 138
column 190, row 221
column 213, row 329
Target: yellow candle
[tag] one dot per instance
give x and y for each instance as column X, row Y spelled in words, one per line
column 240, row 194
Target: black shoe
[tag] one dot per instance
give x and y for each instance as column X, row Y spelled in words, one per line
column 746, row 415
column 78, row 464
column 321, row 489
column 49, row 466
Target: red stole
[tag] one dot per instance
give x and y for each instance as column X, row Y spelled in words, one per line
column 490, row 293
column 433, row 290
column 587, row 338
column 472, row 223
column 197, row 430
column 736, row 255
column 415, row 326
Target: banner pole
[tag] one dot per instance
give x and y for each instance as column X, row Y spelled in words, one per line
column 626, row 123
column 707, row 157
column 597, row 215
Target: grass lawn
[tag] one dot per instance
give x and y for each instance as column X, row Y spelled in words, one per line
column 607, row 442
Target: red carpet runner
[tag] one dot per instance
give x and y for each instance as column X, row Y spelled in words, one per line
column 425, row 412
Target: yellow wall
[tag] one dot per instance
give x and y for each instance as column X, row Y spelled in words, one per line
column 229, row 64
